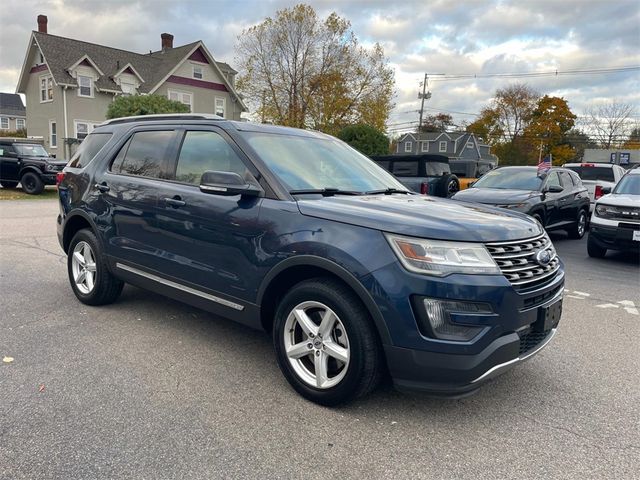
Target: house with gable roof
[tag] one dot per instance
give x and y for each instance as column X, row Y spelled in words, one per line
column 462, row 148
column 70, row 83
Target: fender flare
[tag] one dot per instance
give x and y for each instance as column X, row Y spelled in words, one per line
column 29, row 168
column 340, row 272
column 81, row 213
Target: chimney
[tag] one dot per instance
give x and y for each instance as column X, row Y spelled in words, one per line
column 42, row 23
column 167, row 40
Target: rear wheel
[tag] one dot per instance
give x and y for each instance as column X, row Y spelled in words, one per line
column 594, row 250
column 32, row 183
column 9, row 184
column 449, row 185
column 325, row 344
column 578, row 229
column 90, row 279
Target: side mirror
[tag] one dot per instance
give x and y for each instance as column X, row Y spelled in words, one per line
column 553, row 189
column 227, row 183
column 606, row 190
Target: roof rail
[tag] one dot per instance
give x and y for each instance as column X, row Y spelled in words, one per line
column 164, row 116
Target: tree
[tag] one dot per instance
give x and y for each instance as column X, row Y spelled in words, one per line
column 439, row 122
column 609, row 123
column 129, row 105
column 547, row 128
column 633, row 142
column 366, row 139
column 488, row 127
column 302, row 71
column 579, row 141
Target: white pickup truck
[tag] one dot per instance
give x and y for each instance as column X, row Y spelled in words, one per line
column 596, row 176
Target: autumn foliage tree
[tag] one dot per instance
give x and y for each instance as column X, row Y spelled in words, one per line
column 303, row 71
column 439, row 122
column 129, row 105
column 548, row 126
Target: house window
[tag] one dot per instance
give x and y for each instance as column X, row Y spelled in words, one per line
column 407, row 146
column 197, row 72
column 46, row 88
column 425, row 146
column 53, row 134
column 469, row 144
column 220, row 107
column 182, row 97
column 40, row 58
column 83, row 128
column 20, row 123
column 127, row 88
column 85, row 86
column 4, row 123
column 442, row 147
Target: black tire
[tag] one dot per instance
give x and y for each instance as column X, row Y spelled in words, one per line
column 365, row 366
column 8, row 184
column 594, row 250
column 106, row 288
column 579, row 228
column 32, row 183
column 539, row 217
column 449, row 185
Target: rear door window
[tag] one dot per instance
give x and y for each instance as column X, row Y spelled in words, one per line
column 145, row 154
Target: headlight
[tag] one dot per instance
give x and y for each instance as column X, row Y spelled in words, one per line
column 50, row 168
column 435, row 257
column 606, row 211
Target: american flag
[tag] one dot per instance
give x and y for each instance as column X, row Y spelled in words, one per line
column 544, row 165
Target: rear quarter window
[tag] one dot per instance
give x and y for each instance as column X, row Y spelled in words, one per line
column 405, row 169
column 89, row 148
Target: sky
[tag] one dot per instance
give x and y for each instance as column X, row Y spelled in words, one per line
column 463, row 38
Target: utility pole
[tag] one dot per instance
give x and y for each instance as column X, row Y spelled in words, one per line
column 423, row 96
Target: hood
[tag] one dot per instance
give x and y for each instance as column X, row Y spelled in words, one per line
column 423, row 216
column 51, row 160
column 620, row 200
column 495, row 196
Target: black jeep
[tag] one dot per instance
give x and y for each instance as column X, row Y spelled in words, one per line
column 28, row 163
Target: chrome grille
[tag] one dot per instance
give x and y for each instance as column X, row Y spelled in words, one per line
column 517, row 261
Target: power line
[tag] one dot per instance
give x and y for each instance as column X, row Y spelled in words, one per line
column 552, row 73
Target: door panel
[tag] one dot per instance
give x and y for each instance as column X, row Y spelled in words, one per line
column 9, row 166
column 552, row 200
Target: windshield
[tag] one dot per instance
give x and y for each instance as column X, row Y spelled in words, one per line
column 31, row 150
column 507, row 178
column 594, row 173
column 317, row 163
column 629, row 185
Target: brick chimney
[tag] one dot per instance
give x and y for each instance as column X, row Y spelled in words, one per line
column 42, row 23
column 167, row 41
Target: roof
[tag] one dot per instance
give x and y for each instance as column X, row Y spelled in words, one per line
column 11, row 104
column 62, row 53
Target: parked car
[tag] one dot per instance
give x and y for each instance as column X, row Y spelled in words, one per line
column 557, row 200
column 596, row 177
column 28, row 163
column 615, row 223
column 297, row 233
column 469, row 171
column 426, row 174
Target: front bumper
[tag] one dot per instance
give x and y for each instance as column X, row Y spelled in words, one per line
column 48, row 178
column 448, row 368
column 614, row 238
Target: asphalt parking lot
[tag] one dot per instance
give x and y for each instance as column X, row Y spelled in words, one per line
column 150, row 388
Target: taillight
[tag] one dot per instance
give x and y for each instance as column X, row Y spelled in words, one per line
column 598, row 192
column 59, row 178
column 424, row 188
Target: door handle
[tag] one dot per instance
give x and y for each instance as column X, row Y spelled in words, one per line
column 103, row 187
column 175, row 202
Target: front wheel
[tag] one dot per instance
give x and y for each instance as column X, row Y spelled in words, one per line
column 32, row 183
column 578, row 229
column 325, row 343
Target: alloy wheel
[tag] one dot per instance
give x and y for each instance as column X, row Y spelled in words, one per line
column 582, row 224
column 316, row 344
column 83, row 267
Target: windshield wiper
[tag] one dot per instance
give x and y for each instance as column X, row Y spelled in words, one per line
column 386, row 191
column 325, row 192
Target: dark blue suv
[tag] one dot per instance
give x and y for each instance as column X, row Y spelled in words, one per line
column 296, row 233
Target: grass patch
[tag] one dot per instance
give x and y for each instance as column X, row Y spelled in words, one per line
column 49, row 193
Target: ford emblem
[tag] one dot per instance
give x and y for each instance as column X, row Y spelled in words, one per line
column 543, row 257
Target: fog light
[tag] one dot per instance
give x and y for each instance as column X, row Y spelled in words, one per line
column 439, row 316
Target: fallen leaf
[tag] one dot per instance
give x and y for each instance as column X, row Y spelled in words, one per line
column 41, row 388
column 7, row 359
